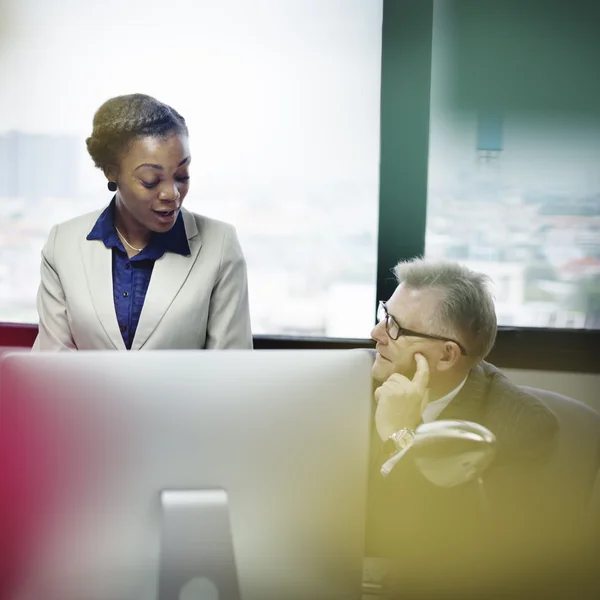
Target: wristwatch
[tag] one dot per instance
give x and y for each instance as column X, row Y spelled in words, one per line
column 398, row 441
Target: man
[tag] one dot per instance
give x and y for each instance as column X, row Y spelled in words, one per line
column 431, row 339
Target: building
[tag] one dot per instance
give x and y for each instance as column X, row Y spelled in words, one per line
column 34, row 166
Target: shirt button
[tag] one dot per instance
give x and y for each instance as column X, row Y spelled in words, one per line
column 128, row 266
column 123, row 328
column 125, row 294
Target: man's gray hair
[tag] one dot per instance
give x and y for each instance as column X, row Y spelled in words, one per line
column 466, row 310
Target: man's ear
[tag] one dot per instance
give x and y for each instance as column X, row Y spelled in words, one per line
column 449, row 356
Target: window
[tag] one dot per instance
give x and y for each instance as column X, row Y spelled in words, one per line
column 282, row 101
column 514, row 155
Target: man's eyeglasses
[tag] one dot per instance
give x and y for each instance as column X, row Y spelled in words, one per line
column 394, row 330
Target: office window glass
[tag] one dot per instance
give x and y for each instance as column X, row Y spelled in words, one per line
column 514, row 177
column 282, row 102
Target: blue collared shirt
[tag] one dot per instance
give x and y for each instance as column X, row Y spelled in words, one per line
column 131, row 276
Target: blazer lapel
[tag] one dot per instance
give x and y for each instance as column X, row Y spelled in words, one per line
column 97, row 262
column 168, row 276
column 468, row 405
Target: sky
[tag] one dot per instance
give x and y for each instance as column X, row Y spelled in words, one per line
column 273, row 90
column 269, row 88
column 541, row 151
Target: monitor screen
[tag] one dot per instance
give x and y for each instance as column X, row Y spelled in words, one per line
column 184, row 474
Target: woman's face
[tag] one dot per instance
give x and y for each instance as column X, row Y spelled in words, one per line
column 153, row 180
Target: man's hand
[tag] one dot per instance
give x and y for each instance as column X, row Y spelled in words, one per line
column 400, row 401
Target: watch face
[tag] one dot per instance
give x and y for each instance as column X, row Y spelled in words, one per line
column 389, row 446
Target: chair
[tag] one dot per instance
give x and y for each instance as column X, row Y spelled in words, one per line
column 577, row 458
column 575, row 471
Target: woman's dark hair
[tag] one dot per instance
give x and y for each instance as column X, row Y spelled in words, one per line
column 122, row 119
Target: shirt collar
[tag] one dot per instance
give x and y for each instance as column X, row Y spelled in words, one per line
column 434, row 409
column 174, row 240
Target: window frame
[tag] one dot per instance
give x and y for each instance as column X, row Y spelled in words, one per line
column 407, row 37
column 405, row 110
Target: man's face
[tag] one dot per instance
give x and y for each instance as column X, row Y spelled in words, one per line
column 411, row 308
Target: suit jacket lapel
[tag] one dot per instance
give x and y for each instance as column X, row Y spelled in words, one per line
column 97, row 262
column 468, row 405
column 168, row 276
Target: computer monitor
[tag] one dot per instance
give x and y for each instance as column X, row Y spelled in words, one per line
column 180, row 474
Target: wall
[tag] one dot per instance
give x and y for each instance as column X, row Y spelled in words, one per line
column 581, row 386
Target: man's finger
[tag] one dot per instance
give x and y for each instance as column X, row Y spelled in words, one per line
column 421, row 377
column 425, row 401
column 397, row 378
column 377, row 393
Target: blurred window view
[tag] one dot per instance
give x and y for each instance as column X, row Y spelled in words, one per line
column 282, row 102
column 514, row 162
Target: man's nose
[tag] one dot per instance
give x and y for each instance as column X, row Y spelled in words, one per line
column 378, row 332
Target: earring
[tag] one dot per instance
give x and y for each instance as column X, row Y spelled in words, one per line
column 112, row 186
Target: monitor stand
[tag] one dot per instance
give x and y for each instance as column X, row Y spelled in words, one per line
column 196, row 544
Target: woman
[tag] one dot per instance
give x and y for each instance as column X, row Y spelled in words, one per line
column 144, row 273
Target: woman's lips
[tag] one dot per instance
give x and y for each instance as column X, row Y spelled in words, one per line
column 165, row 216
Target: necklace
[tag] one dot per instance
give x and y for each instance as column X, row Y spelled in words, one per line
column 125, row 240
